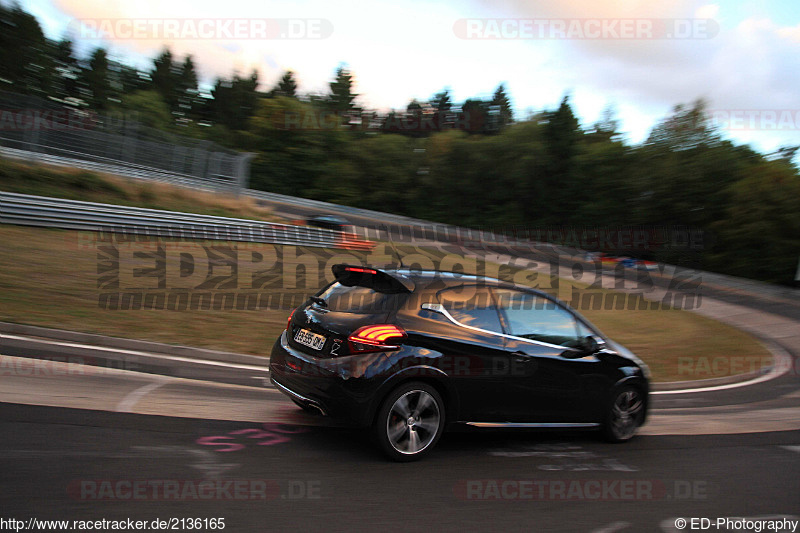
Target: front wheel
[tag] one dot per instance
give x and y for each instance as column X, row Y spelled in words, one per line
column 409, row 422
column 625, row 414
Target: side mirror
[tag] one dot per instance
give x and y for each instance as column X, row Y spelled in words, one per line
column 590, row 344
column 585, row 347
column 593, row 344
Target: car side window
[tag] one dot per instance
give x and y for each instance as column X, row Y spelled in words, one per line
column 537, row 318
column 472, row 306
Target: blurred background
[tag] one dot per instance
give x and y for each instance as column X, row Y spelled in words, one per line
column 507, row 116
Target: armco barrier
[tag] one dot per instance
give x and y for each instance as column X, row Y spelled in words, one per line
column 26, row 210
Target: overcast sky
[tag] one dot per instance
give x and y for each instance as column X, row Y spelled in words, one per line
column 642, row 57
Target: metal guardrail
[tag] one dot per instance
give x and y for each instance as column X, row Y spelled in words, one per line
column 26, row 210
column 61, row 213
column 44, row 131
column 49, row 128
column 121, row 168
column 417, row 230
column 440, row 232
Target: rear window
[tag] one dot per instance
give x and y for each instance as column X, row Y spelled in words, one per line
column 360, row 300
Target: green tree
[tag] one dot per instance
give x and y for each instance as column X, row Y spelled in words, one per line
column 66, row 72
column 341, row 95
column 295, row 146
column 758, row 238
column 687, row 127
column 787, row 154
column 287, row 86
column 176, row 82
column 540, row 171
column 609, row 187
column 690, row 171
column 383, row 172
column 148, row 109
column 474, row 117
column 130, row 79
column 442, row 102
column 412, row 123
column 25, row 59
column 563, row 133
column 391, row 123
column 98, row 80
column 526, row 174
column 502, row 104
column 607, row 128
column 165, row 77
column 234, row 101
column 562, row 137
column 186, row 88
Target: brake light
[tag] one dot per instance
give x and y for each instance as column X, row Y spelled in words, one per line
column 289, row 322
column 361, row 270
column 377, row 338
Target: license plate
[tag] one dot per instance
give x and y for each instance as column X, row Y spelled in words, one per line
column 310, row 339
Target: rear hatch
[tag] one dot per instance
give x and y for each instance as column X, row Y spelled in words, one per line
column 360, row 297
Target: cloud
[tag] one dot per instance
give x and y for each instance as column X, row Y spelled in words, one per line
column 213, row 57
column 790, row 33
column 708, row 11
column 399, row 52
column 594, row 9
column 749, row 66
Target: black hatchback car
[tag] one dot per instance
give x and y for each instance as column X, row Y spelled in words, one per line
column 408, row 353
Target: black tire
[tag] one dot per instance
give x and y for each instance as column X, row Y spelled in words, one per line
column 409, row 422
column 625, row 414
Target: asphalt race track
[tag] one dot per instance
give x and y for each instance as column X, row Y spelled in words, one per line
column 70, row 464
column 143, row 446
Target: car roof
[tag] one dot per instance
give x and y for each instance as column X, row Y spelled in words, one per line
column 329, row 218
column 424, row 280
column 427, row 279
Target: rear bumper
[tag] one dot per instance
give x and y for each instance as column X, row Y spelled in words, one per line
column 339, row 388
column 308, row 402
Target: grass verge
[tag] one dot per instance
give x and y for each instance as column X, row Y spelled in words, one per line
column 55, row 278
column 77, row 184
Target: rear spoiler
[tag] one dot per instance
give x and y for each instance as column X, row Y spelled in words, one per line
column 372, row 278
